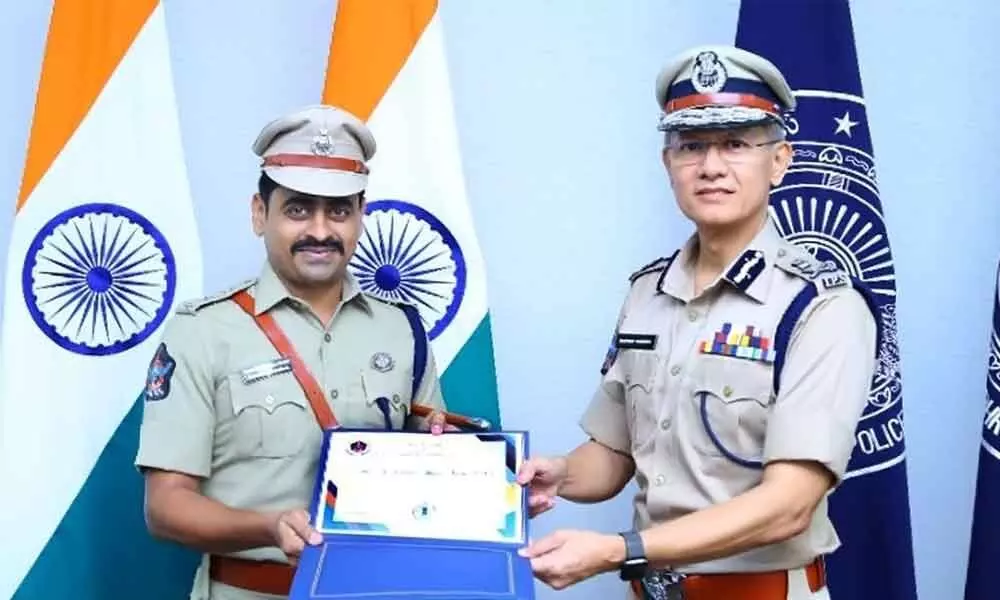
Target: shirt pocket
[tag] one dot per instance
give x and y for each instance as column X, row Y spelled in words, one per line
column 271, row 416
column 641, row 399
column 387, row 398
column 732, row 401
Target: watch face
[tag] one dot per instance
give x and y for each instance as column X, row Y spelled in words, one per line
column 634, row 569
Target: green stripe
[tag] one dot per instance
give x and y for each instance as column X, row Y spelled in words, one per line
column 469, row 383
column 101, row 549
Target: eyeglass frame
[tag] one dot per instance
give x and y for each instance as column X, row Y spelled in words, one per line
column 709, row 144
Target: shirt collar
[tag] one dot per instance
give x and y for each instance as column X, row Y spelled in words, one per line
column 750, row 272
column 270, row 291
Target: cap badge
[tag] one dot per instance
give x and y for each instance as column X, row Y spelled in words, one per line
column 322, row 144
column 708, row 74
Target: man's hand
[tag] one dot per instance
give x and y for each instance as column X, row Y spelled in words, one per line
column 543, row 476
column 291, row 532
column 567, row 557
column 437, row 424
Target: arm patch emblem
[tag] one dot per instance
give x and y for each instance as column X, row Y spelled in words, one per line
column 161, row 370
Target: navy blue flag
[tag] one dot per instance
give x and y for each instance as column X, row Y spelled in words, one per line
column 829, row 203
column 984, row 551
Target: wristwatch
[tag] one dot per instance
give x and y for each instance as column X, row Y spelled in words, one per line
column 635, row 564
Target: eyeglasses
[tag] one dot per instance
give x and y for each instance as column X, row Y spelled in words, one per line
column 732, row 150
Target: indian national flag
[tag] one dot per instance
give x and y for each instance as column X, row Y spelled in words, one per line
column 387, row 66
column 103, row 244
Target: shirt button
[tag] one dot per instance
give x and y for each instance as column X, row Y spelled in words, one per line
column 692, row 315
column 660, row 479
column 665, row 424
column 727, row 391
column 326, row 338
column 334, row 394
column 781, row 252
column 675, row 370
column 269, row 400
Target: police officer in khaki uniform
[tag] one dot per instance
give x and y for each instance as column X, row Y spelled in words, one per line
column 230, row 439
column 739, row 369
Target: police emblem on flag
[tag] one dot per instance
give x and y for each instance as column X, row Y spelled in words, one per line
column 829, row 204
column 408, row 255
column 98, row 279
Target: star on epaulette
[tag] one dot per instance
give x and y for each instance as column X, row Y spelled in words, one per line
column 190, row 307
column 654, row 267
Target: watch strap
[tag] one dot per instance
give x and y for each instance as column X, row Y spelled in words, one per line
column 633, row 545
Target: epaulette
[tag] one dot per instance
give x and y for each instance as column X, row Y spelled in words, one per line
column 190, row 307
column 654, row 267
column 825, row 274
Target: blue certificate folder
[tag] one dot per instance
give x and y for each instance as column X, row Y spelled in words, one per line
column 411, row 515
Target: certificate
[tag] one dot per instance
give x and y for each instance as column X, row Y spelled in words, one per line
column 406, row 514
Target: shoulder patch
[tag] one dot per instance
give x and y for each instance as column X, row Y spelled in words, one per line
column 191, row 307
column 658, row 265
column 161, row 370
column 825, row 274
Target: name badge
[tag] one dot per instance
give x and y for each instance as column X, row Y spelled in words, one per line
column 635, row 341
column 264, row 370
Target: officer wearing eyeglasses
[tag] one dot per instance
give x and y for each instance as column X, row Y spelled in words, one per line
column 737, row 373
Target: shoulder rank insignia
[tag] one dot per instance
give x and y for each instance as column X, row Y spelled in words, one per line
column 658, row 265
column 190, row 307
column 825, row 274
column 829, row 281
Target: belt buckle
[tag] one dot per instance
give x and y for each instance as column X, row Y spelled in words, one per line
column 664, row 585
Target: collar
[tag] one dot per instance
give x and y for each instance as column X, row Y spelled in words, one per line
column 270, row 291
column 750, row 272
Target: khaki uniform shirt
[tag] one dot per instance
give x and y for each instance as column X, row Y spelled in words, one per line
column 675, row 358
column 256, row 442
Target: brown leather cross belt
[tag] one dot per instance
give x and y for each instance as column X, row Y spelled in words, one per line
column 767, row 585
column 263, row 577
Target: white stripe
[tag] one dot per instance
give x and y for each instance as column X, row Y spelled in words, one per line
column 992, row 451
column 59, row 408
column 876, row 468
column 831, row 95
column 418, row 161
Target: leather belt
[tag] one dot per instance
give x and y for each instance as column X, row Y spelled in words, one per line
column 264, row 577
column 767, row 585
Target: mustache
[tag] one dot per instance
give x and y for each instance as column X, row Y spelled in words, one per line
column 310, row 243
